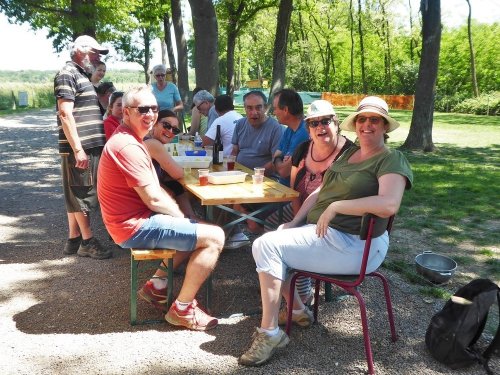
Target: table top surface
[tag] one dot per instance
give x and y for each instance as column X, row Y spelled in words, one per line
column 223, row 194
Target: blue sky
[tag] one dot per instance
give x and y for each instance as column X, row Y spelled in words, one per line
column 30, row 50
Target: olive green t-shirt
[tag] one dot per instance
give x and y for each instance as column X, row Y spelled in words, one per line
column 344, row 181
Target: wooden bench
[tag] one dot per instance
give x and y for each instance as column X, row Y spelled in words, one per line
column 138, row 255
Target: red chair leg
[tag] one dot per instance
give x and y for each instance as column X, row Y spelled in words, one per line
column 317, row 285
column 388, row 302
column 366, row 334
column 290, row 304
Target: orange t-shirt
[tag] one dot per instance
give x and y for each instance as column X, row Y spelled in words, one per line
column 125, row 163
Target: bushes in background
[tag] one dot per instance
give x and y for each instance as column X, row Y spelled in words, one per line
column 39, row 95
column 485, row 104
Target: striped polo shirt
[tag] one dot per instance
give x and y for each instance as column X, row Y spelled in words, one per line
column 72, row 83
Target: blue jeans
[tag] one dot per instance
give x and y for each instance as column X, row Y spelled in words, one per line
column 164, row 232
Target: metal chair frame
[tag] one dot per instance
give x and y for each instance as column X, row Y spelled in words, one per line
column 350, row 283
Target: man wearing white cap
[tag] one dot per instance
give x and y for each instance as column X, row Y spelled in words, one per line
column 81, row 139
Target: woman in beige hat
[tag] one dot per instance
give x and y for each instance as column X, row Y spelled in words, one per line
column 369, row 178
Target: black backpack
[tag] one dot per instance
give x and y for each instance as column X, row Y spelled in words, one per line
column 454, row 330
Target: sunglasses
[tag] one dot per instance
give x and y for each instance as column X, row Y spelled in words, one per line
column 168, row 126
column 374, row 120
column 316, row 123
column 144, row 109
column 160, row 75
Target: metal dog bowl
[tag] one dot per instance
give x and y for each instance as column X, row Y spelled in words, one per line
column 434, row 267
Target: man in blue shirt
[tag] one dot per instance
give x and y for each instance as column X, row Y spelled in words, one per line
column 289, row 111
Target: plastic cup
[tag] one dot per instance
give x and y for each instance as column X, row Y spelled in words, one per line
column 231, row 159
column 259, row 171
column 258, row 183
column 203, row 176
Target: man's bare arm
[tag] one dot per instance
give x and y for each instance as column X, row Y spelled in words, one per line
column 69, row 129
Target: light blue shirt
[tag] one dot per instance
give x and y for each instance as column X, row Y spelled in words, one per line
column 167, row 97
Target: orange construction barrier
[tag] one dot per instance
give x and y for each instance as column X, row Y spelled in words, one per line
column 352, row 100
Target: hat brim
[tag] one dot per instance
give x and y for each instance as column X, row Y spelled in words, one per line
column 349, row 125
column 320, row 114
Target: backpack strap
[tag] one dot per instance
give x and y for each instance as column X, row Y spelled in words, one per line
column 495, row 343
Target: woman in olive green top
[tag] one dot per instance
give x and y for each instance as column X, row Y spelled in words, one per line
column 370, row 178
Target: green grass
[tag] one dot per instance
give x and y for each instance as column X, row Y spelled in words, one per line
column 435, row 292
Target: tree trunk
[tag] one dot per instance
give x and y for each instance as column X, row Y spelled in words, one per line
column 206, row 60
column 83, row 14
column 280, row 46
column 231, row 45
column 411, row 33
column 147, row 52
column 170, row 47
column 362, row 50
column 475, row 88
column 420, row 135
column 182, row 54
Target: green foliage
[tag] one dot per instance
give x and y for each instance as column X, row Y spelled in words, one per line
column 39, row 95
column 485, row 104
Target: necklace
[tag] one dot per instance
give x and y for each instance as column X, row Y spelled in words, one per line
column 331, row 153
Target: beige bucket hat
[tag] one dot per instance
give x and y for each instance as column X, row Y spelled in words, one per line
column 372, row 104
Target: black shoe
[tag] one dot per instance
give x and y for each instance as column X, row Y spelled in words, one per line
column 94, row 250
column 72, row 245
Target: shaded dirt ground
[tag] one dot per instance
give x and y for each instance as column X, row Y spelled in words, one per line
column 65, row 314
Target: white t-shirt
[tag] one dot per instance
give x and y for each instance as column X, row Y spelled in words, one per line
column 226, row 122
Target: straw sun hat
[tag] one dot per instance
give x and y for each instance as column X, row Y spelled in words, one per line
column 372, row 104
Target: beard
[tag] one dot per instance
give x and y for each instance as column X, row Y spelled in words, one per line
column 87, row 65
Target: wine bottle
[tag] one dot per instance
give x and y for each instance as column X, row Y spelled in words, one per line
column 218, row 151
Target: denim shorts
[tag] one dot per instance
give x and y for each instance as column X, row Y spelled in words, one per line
column 164, row 232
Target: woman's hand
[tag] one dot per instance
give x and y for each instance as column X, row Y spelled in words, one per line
column 324, row 220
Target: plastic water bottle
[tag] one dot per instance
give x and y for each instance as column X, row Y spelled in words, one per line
column 197, row 140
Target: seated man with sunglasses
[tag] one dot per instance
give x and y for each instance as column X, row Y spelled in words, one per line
column 138, row 213
column 167, row 169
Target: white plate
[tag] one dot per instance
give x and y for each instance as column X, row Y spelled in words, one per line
column 193, row 161
column 226, row 177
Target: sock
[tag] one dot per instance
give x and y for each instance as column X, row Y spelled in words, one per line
column 86, row 242
column 269, row 332
column 159, row 283
column 297, row 312
column 75, row 239
column 182, row 306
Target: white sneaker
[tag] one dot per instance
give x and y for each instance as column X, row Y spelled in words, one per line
column 236, row 241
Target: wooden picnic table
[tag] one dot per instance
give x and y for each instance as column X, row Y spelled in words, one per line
column 225, row 195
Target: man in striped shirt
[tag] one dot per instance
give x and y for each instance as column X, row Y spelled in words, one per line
column 81, row 139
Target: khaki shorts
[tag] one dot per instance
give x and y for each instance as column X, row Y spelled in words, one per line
column 80, row 185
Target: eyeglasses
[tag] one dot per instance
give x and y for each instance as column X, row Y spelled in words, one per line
column 199, row 105
column 316, row 123
column 374, row 120
column 160, row 75
column 144, row 109
column 168, row 126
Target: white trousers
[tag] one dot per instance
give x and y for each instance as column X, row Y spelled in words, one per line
column 336, row 253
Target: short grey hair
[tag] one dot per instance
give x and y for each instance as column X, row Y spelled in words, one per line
column 160, row 68
column 79, row 48
column 203, row 96
column 129, row 96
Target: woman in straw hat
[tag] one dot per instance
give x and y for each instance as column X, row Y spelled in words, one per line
column 369, row 178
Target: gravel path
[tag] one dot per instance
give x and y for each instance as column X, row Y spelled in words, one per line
column 69, row 315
